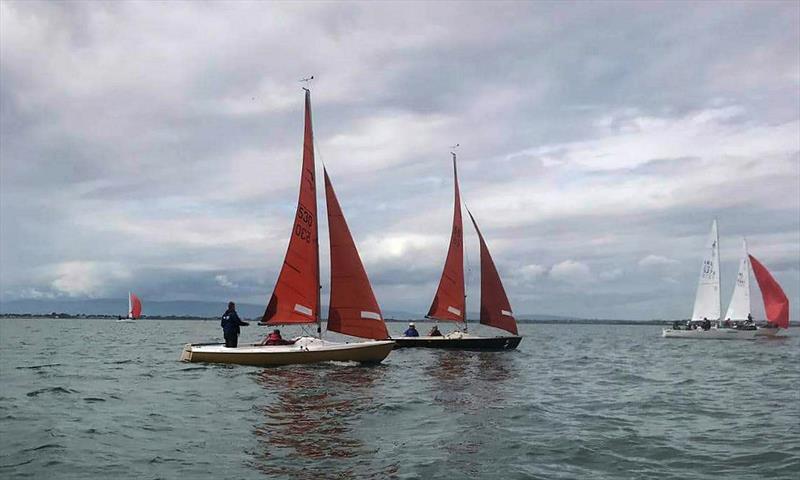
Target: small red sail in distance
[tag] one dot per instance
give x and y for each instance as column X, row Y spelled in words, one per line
column 353, row 309
column 776, row 305
column 296, row 295
column 135, row 306
column 449, row 303
column 495, row 308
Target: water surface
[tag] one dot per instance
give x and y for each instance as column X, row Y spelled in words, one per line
column 90, row 399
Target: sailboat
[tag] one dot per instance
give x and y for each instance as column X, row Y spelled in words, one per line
column 450, row 302
column 776, row 304
column 134, row 309
column 295, row 300
column 706, row 322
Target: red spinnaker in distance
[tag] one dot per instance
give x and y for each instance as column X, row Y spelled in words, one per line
column 353, row 309
column 776, row 305
column 296, row 295
column 495, row 308
column 449, row 303
column 136, row 307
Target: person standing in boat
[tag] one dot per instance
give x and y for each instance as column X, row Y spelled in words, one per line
column 411, row 331
column 230, row 326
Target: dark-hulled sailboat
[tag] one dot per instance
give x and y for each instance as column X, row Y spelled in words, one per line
column 449, row 303
column 295, row 300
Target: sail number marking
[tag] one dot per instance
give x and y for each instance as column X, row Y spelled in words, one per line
column 302, row 227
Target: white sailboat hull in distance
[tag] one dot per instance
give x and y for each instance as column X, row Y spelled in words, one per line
column 768, row 332
column 304, row 350
column 710, row 334
column 126, row 320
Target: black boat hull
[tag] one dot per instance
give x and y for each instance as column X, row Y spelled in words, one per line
column 470, row 343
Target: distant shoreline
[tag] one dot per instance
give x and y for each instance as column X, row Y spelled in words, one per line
column 560, row 321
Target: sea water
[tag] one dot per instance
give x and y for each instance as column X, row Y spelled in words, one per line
column 85, row 399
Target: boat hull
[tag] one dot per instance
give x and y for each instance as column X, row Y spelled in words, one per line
column 305, row 350
column 460, row 343
column 711, row 334
column 768, row 332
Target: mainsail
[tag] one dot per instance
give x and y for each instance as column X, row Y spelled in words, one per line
column 353, row 309
column 776, row 305
column 707, row 301
column 449, row 302
column 296, row 295
column 739, row 308
column 134, row 306
column 495, row 308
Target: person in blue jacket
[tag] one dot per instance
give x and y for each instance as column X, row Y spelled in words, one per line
column 230, row 326
column 411, row 331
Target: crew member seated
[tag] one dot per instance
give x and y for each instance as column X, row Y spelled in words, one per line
column 275, row 338
column 411, row 331
column 706, row 324
column 435, row 332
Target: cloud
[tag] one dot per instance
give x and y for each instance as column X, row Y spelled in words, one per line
column 87, row 278
column 161, row 148
column 222, row 281
column 656, row 261
column 571, row 271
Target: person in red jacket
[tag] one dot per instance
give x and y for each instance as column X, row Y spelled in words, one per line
column 275, row 338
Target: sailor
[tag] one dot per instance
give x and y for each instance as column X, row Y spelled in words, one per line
column 230, row 326
column 275, row 338
column 435, row 332
column 411, row 331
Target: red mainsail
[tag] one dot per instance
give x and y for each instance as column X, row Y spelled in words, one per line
column 136, row 306
column 449, row 302
column 776, row 305
column 353, row 309
column 296, row 295
column 495, row 308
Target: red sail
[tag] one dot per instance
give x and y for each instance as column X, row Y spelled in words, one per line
column 495, row 309
column 776, row 305
column 296, row 295
column 353, row 309
column 136, row 307
column 449, row 303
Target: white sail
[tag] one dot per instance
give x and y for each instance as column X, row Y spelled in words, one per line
column 130, row 306
column 739, row 308
column 707, row 301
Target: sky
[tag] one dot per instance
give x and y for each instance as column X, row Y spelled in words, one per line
column 156, row 147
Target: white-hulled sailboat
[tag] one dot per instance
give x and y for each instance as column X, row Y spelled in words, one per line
column 134, row 309
column 295, row 300
column 450, row 302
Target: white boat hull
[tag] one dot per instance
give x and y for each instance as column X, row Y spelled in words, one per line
column 304, row 350
column 710, row 334
column 768, row 332
column 126, row 320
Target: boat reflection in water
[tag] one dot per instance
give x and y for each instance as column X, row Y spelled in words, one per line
column 309, row 427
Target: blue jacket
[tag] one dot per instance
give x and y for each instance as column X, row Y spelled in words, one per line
column 411, row 332
column 230, row 322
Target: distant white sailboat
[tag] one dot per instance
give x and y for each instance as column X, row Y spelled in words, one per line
column 706, row 313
